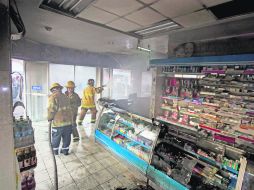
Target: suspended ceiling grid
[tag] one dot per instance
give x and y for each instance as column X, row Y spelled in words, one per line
column 133, row 16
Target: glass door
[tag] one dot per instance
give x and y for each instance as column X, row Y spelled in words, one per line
column 37, row 90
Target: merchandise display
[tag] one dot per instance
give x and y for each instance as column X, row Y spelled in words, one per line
column 132, row 132
column 206, row 113
column 25, row 151
column 23, row 132
column 28, row 180
column 26, row 158
column 218, row 102
column 196, row 165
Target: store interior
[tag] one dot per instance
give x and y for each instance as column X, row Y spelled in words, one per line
column 175, row 105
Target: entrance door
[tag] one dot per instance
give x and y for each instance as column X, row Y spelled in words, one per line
column 37, row 90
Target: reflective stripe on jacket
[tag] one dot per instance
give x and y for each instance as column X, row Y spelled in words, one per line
column 75, row 102
column 59, row 110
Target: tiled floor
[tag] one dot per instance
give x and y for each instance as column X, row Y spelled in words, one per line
column 89, row 165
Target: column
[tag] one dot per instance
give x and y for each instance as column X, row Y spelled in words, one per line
column 7, row 161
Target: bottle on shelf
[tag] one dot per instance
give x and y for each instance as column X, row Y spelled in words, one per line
column 27, row 158
column 20, row 157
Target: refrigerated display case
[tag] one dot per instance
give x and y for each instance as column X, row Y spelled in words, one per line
column 130, row 136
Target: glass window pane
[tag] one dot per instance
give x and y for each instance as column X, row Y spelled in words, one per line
column 146, row 84
column 121, row 84
column 60, row 73
column 106, row 82
column 82, row 74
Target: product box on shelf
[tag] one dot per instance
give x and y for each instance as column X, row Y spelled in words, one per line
column 26, row 158
column 23, row 132
column 220, row 104
column 28, row 180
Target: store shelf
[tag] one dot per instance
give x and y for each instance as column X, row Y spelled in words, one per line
column 185, row 75
column 171, row 98
column 175, row 123
column 126, row 136
column 214, row 71
column 168, row 108
column 205, row 159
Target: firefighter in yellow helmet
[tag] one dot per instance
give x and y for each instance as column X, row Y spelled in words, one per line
column 60, row 114
column 88, row 101
column 75, row 103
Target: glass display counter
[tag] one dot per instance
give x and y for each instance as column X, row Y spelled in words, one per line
column 132, row 132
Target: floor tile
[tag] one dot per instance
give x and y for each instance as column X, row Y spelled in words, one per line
column 79, row 174
column 73, row 165
column 94, row 167
column 102, row 176
column 64, row 180
column 61, row 169
column 126, row 179
column 68, row 158
column 88, row 183
column 117, row 169
column 41, row 176
column 88, row 160
column 101, row 155
column 46, row 185
column 106, row 162
column 40, row 166
column 111, row 184
column 72, row 186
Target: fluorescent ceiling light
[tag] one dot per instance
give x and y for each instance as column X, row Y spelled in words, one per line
column 154, row 27
column 159, row 29
column 66, row 7
column 144, row 49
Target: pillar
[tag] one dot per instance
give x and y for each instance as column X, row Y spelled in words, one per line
column 7, row 158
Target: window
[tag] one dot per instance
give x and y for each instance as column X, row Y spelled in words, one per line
column 82, row 74
column 60, row 74
column 146, row 84
column 121, row 84
column 106, row 82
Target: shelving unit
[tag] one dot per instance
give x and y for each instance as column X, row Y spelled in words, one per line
column 207, row 99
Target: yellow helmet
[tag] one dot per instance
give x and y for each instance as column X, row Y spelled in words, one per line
column 70, row 84
column 55, row 85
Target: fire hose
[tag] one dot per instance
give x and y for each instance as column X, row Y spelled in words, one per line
column 54, row 159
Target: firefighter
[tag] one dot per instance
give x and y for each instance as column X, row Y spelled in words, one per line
column 88, row 101
column 60, row 114
column 75, row 103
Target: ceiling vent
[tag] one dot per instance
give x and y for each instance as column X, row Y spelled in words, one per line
column 158, row 28
column 233, row 8
column 67, row 7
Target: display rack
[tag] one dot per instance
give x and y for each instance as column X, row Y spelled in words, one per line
column 25, row 151
column 132, row 136
column 209, row 100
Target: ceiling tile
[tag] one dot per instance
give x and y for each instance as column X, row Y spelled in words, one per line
column 145, row 17
column 195, row 19
column 123, row 25
column 148, row 1
column 211, row 3
column 119, row 7
column 174, row 8
column 97, row 15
